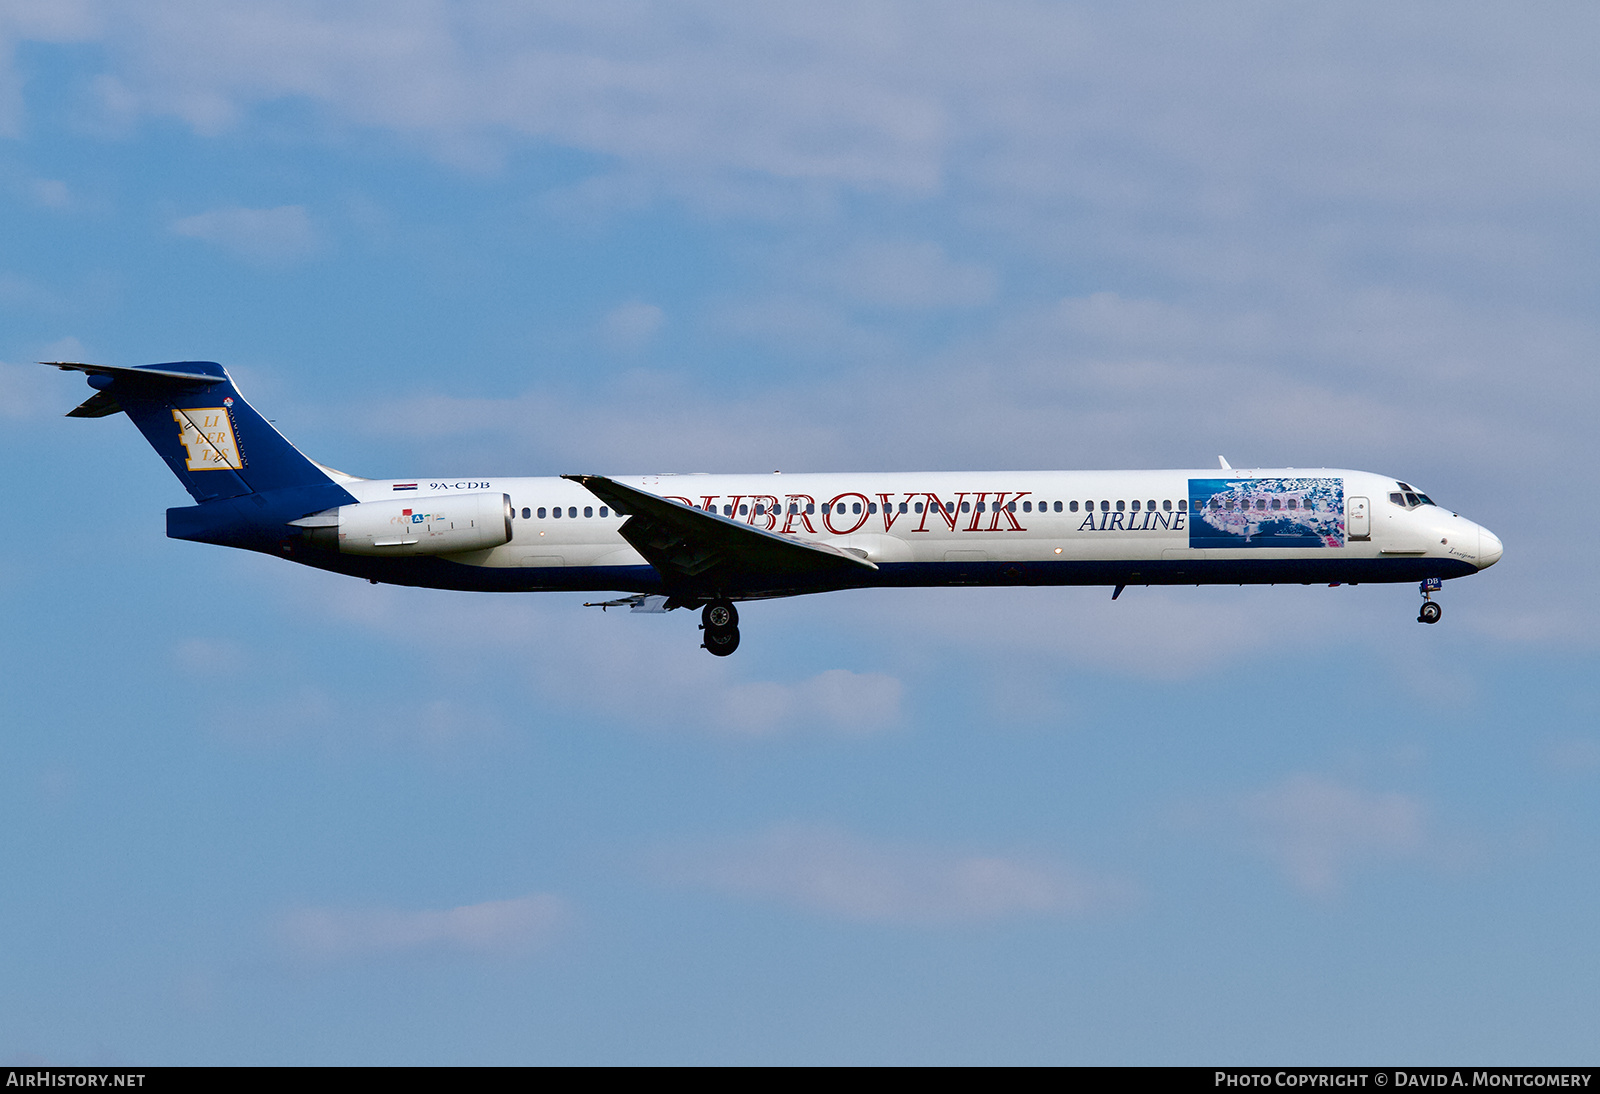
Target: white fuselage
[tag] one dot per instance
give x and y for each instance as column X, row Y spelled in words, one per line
column 1179, row 521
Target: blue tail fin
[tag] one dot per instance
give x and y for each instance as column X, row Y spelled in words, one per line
column 195, row 418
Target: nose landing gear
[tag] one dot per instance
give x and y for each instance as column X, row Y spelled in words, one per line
column 1430, row 612
column 720, row 621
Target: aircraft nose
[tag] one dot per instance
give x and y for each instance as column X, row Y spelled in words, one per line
column 1489, row 548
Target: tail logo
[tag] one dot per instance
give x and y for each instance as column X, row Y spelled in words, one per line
column 206, row 434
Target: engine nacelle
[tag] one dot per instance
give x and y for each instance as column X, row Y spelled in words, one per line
column 413, row 526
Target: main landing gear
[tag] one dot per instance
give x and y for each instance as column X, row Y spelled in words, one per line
column 720, row 620
column 1430, row 612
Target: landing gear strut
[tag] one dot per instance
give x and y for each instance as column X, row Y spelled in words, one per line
column 1430, row 612
column 720, row 621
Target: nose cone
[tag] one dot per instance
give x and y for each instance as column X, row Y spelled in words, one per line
column 1489, row 548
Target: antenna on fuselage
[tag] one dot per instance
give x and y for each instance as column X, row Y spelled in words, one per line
column 1226, row 466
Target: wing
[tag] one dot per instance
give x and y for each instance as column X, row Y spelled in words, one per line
column 701, row 553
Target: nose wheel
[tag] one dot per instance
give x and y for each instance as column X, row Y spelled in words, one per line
column 720, row 622
column 1431, row 611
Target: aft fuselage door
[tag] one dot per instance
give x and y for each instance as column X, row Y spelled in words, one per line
column 1360, row 516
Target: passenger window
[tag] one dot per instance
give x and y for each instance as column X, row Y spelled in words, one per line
column 903, row 507
column 1027, row 507
column 1277, row 504
column 556, row 512
column 1135, row 505
column 588, row 510
column 727, row 510
column 872, row 507
column 1261, row 503
column 1166, row 505
column 811, row 509
column 1294, row 503
column 1120, row 505
column 744, row 510
column 541, row 512
column 966, row 507
column 1072, row 507
column 604, row 512
column 526, row 514
column 855, row 507
column 1183, row 505
column 917, row 507
column 572, row 510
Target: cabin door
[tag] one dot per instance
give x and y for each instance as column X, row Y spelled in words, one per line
column 1360, row 516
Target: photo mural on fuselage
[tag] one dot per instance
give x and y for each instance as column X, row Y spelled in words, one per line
column 1279, row 512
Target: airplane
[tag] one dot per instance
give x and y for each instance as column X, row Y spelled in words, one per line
column 714, row 541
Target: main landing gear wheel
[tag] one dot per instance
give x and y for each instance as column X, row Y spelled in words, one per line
column 722, row 641
column 1430, row 613
column 719, row 613
column 720, row 621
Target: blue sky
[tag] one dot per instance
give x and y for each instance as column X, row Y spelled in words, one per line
column 252, row 813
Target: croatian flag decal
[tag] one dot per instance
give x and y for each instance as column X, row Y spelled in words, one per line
column 405, row 486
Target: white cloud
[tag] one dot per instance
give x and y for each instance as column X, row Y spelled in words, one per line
column 211, row 654
column 437, row 718
column 831, row 872
column 1034, row 105
column 629, row 327
column 278, row 235
column 835, row 701
column 496, row 928
column 907, row 274
column 50, row 193
column 573, row 657
column 21, row 292
column 1574, row 755
column 1317, row 830
column 28, row 391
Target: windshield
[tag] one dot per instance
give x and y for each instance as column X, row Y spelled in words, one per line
column 1408, row 497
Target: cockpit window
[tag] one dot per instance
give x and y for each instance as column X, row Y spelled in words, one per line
column 1409, row 498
